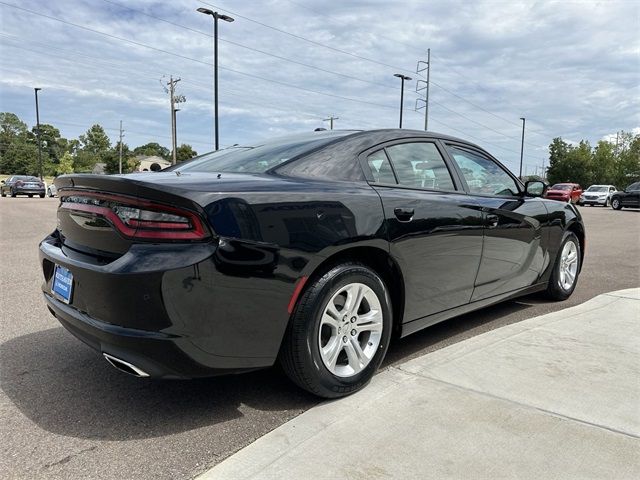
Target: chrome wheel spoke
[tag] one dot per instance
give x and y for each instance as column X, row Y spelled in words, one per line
column 356, row 357
column 332, row 350
column 371, row 322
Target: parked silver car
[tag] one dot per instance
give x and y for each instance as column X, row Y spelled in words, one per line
column 597, row 195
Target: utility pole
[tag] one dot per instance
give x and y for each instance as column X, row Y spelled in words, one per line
column 330, row 120
column 172, row 99
column 38, row 133
column 522, row 146
column 617, row 140
column 421, row 67
column 120, row 154
column 426, row 102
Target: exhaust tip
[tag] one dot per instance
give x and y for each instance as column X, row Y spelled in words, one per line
column 123, row 366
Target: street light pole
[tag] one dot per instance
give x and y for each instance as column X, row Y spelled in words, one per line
column 402, row 78
column 38, row 134
column 226, row 18
column 522, row 146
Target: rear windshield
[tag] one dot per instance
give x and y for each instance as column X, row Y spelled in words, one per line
column 26, row 178
column 559, row 186
column 255, row 159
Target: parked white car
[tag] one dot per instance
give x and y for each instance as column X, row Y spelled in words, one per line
column 597, row 195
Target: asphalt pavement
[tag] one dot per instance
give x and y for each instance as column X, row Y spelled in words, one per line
column 67, row 414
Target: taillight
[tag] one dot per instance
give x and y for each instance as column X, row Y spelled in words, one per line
column 41, row 185
column 136, row 218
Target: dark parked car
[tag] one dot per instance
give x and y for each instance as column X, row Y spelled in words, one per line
column 22, row 185
column 564, row 192
column 629, row 197
column 313, row 250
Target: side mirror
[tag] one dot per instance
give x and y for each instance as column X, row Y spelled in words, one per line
column 2, row 182
column 535, row 188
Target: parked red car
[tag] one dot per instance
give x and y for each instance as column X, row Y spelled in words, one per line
column 564, row 192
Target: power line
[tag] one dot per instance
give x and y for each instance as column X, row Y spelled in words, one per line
column 331, row 71
column 313, row 42
column 195, row 59
column 240, row 45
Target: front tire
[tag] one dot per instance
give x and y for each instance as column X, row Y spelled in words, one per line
column 339, row 331
column 616, row 204
column 566, row 269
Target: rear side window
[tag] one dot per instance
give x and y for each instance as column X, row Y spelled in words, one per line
column 483, row 175
column 420, row 165
column 381, row 167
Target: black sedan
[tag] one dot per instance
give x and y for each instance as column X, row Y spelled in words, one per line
column 629, row 197
column 22, row 185
column 313, row 250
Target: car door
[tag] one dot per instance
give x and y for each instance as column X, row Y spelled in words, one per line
column 435, row 233
column 632, row 196
column 514, row 249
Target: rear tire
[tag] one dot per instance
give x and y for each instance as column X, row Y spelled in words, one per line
column 13, row 194
column 42, row 195
column 616, row 204
column 29, row 195
column 566, row 269
column 339, row 331
column 3, row 193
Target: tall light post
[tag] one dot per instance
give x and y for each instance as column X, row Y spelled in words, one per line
column 226, row 18
column 36, row 90
column 522, row 146
column 402, row 78
column 175, row 136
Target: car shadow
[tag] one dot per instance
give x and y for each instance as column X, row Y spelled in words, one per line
column 66, row 388
column 457, row 329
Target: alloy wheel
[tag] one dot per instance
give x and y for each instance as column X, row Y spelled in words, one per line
column 568, row 265
column 350, row 329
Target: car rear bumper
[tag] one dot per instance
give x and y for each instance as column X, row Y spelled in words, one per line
column 28, row 191
column 169, row 311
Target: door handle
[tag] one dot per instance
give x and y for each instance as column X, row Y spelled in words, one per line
column 492, row 221
column 404, row 214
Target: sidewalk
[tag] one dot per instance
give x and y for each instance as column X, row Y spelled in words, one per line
column 556, row 396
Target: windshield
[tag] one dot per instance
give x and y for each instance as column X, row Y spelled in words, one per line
column 560, row 186
column 597, row 189
column 257, row 159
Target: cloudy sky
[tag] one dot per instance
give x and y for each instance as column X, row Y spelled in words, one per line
column 572, row 68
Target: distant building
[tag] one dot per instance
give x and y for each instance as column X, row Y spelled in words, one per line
column 146, row 161
column 98, row 168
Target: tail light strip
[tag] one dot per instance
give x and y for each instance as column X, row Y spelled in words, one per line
column 194, row 229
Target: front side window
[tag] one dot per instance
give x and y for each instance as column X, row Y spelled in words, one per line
column 420, row 165
column 483, row 175
column 633, row 187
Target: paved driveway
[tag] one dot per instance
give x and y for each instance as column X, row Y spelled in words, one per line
column 65, row 413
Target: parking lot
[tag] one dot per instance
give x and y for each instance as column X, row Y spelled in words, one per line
column 67, row 414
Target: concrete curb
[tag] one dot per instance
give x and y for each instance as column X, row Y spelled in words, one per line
column 553, row 396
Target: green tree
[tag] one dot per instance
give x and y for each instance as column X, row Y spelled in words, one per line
column 65, row 165
column 94, row 147
column 568, row 163
column 152, row 149
column 18, row 152
column 603, row 163
column 185, row 152
column 112, row 160
column 627, row 166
